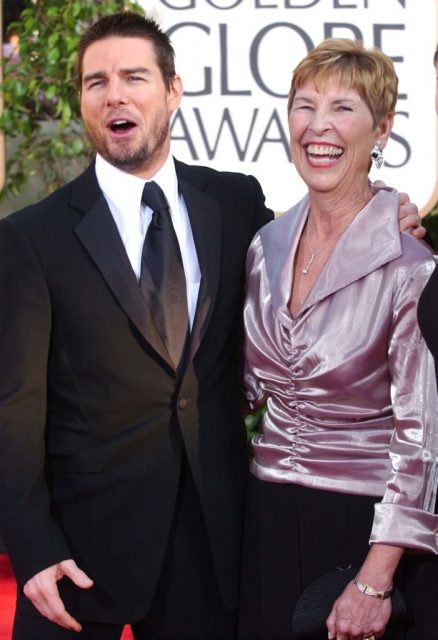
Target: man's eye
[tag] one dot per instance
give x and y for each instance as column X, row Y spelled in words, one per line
column 95, row 83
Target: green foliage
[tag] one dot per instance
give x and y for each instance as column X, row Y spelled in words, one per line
column 40, row 92
column 252, row 423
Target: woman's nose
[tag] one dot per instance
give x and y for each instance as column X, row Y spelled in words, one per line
column 320, row 121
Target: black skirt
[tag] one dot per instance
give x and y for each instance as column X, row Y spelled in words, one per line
column 293, row 535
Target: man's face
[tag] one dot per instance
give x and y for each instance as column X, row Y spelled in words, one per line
column 125, row 104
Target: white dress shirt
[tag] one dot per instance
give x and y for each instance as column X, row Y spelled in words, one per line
column 123, row 192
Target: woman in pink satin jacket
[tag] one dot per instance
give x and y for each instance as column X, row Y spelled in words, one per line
column 344, row 470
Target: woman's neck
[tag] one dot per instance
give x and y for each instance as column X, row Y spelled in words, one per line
column 331, row 213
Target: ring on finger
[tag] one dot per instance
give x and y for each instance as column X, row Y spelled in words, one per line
column 368, row 636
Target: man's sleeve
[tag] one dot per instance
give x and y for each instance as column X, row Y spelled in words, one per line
column 262, row 215
column 32, row 538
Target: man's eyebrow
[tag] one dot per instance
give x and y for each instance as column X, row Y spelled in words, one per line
column 93, row 76
column 96, row 75
column 129, row 70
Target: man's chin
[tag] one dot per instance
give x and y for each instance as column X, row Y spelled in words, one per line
column 126, row 161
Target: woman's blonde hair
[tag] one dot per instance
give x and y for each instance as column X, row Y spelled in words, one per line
column 369, row 71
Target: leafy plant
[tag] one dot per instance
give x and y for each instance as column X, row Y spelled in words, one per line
column 252, row 424
column 40, row 92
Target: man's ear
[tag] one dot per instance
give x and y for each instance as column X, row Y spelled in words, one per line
column 174, row 93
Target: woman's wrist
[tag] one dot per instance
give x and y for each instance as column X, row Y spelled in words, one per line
column 368, row 590
column 379, row 567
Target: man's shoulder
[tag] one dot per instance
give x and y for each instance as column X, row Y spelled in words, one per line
column 200, row 174
column 45, row 204
column 54, row 203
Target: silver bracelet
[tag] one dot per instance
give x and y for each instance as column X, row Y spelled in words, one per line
column 369, row 591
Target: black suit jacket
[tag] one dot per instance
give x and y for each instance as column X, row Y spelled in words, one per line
column 93, row 418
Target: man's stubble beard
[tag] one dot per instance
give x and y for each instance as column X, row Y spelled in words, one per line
column 122, row 156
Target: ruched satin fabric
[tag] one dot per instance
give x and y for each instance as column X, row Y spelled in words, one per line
column 349, row 383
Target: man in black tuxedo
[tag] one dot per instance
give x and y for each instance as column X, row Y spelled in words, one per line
column 123, row 459
column 123, row 471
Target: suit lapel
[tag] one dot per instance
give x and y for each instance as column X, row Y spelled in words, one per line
column 205, row 221
column 99, row 234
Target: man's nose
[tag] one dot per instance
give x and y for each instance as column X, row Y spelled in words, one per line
column 115, row 94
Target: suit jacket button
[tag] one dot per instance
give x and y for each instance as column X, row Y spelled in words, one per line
column 183, row 403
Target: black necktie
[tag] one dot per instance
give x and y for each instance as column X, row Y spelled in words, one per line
column 162, row 278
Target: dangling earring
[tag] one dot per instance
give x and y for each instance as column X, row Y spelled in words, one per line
column 377, row 155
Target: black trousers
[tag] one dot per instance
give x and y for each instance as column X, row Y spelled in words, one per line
column 293, row 535
column 187, row 603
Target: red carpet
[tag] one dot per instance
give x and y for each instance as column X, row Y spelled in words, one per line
column 7, row 598
column 7, row 601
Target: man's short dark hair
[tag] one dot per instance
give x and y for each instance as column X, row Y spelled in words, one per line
column 128, row 24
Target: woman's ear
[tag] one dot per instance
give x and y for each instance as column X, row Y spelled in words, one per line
column 383, row 129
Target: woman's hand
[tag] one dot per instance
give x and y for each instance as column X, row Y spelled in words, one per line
column 355, row 615
column 360, row 616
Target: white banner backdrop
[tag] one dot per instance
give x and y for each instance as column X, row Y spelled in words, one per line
column 236, row 59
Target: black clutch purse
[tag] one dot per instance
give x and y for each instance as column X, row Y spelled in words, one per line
column 315, row 603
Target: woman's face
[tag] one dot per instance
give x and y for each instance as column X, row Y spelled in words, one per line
column 332, row 135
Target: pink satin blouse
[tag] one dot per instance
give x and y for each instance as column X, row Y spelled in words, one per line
column 349, row 382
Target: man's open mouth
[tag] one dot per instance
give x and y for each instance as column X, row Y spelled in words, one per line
column 121, row 125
